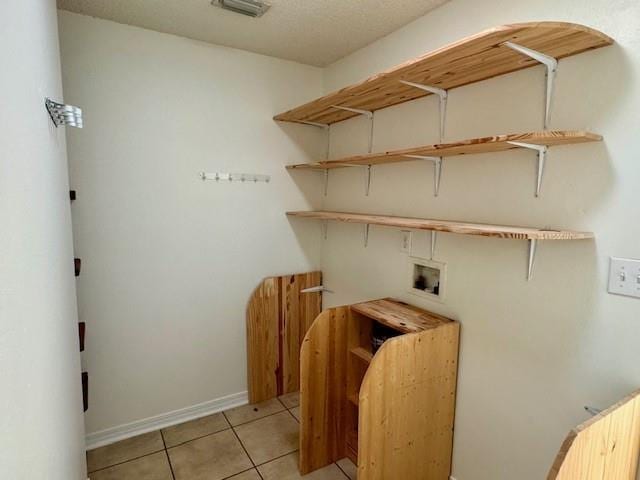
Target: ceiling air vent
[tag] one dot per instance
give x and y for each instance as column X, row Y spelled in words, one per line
column 251, row 8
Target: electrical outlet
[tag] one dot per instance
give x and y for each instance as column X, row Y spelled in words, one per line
column 624, row 277
column 405, row 245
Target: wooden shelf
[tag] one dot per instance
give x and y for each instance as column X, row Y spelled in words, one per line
column 362, row 353
column 463, row 228
column 472, row 59
column 497, row 143
column 399, row 315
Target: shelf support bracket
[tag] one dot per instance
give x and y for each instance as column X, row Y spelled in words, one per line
column 542, row 157
column 367, row 181
column 314, row 124
column 326, row 181
column 366, row 235
column 434, row 236
column 442, row 93
column 552, row 69
column 325, row 229
column 437, row 170
column 365, row 113
column 533, row 244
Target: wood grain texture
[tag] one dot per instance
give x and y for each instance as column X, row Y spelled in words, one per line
column 399, row 315
column 263, row 341
column 498, row 143
column 407, row 405
column 472, row 59
column 463, row 228
column 605, row 447
column 323, row 400
column 278, row 316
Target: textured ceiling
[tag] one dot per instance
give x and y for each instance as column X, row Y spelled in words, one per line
column 316, row 32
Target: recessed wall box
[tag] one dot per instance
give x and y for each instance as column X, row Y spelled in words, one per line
column 426, row 278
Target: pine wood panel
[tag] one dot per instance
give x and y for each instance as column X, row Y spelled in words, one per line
column 472, row 59
column 407, row 403
column 278, row 316
column 496, row 143
column 463, row 228
column 323, row 359
column 400, row 316
column 605, row 447
column 263, row 341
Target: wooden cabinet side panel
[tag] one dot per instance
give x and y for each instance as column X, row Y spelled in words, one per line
column 263, row 341
column 298, row 311
column 323, row 390
column 605, row 447
column 407, row 406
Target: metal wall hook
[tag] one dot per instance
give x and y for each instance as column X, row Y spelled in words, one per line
column 551, row 65
column 437, row 170
column 62, row 114
column 542, row 157
column 442, row 93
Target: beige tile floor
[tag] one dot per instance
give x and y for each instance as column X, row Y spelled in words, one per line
column 253, row 442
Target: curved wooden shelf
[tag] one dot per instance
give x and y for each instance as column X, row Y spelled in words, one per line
column 472, row 59
column 498, row 143
column 463, row 228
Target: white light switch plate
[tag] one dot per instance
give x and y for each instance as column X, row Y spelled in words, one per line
column 624, row 277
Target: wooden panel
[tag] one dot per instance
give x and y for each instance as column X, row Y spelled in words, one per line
column 472, row 59
column 323, row 391
column 298, row 311
column 497, row 143
column 399, row 316
column 463, row 228
column 278, row 316
column 407, row 403
column 605, row 447
column 263, row 341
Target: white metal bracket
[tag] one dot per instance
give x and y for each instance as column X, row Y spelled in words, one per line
column 326, row 181
column 325, row 229
column 542, row 157
column 366, row 235
column 437, row 170
column 319, row 288
column 552, row 69
column 314, row 124
column 434, row 236
column 442, row 93
column 365, row 113
column 533, row 244
column 592, row 410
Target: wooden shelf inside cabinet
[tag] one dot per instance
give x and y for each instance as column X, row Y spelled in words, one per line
column 498, row 143
column 472, row 59
column 462, row 228
column 355, row 408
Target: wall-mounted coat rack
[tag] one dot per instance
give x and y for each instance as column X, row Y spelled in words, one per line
column 62, row 114
column 235, row 177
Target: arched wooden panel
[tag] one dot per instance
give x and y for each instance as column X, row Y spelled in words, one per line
column 278, row 316
column 605, row 447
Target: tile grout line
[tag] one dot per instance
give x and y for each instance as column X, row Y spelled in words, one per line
column 125, row 461
column 243, row 447
column 166, row 452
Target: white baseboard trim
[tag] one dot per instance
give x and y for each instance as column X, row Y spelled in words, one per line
column 114, row 434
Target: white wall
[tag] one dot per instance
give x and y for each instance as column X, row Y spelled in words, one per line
column 169, row 261
column 41, row 421
column 532, row 354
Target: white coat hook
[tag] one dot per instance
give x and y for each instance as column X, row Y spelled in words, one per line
column 434, row 236
column 552, row 69
column 542, row 157
column 533, row 244
column 437, row 170
column 442, row 93
column 366, row 235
